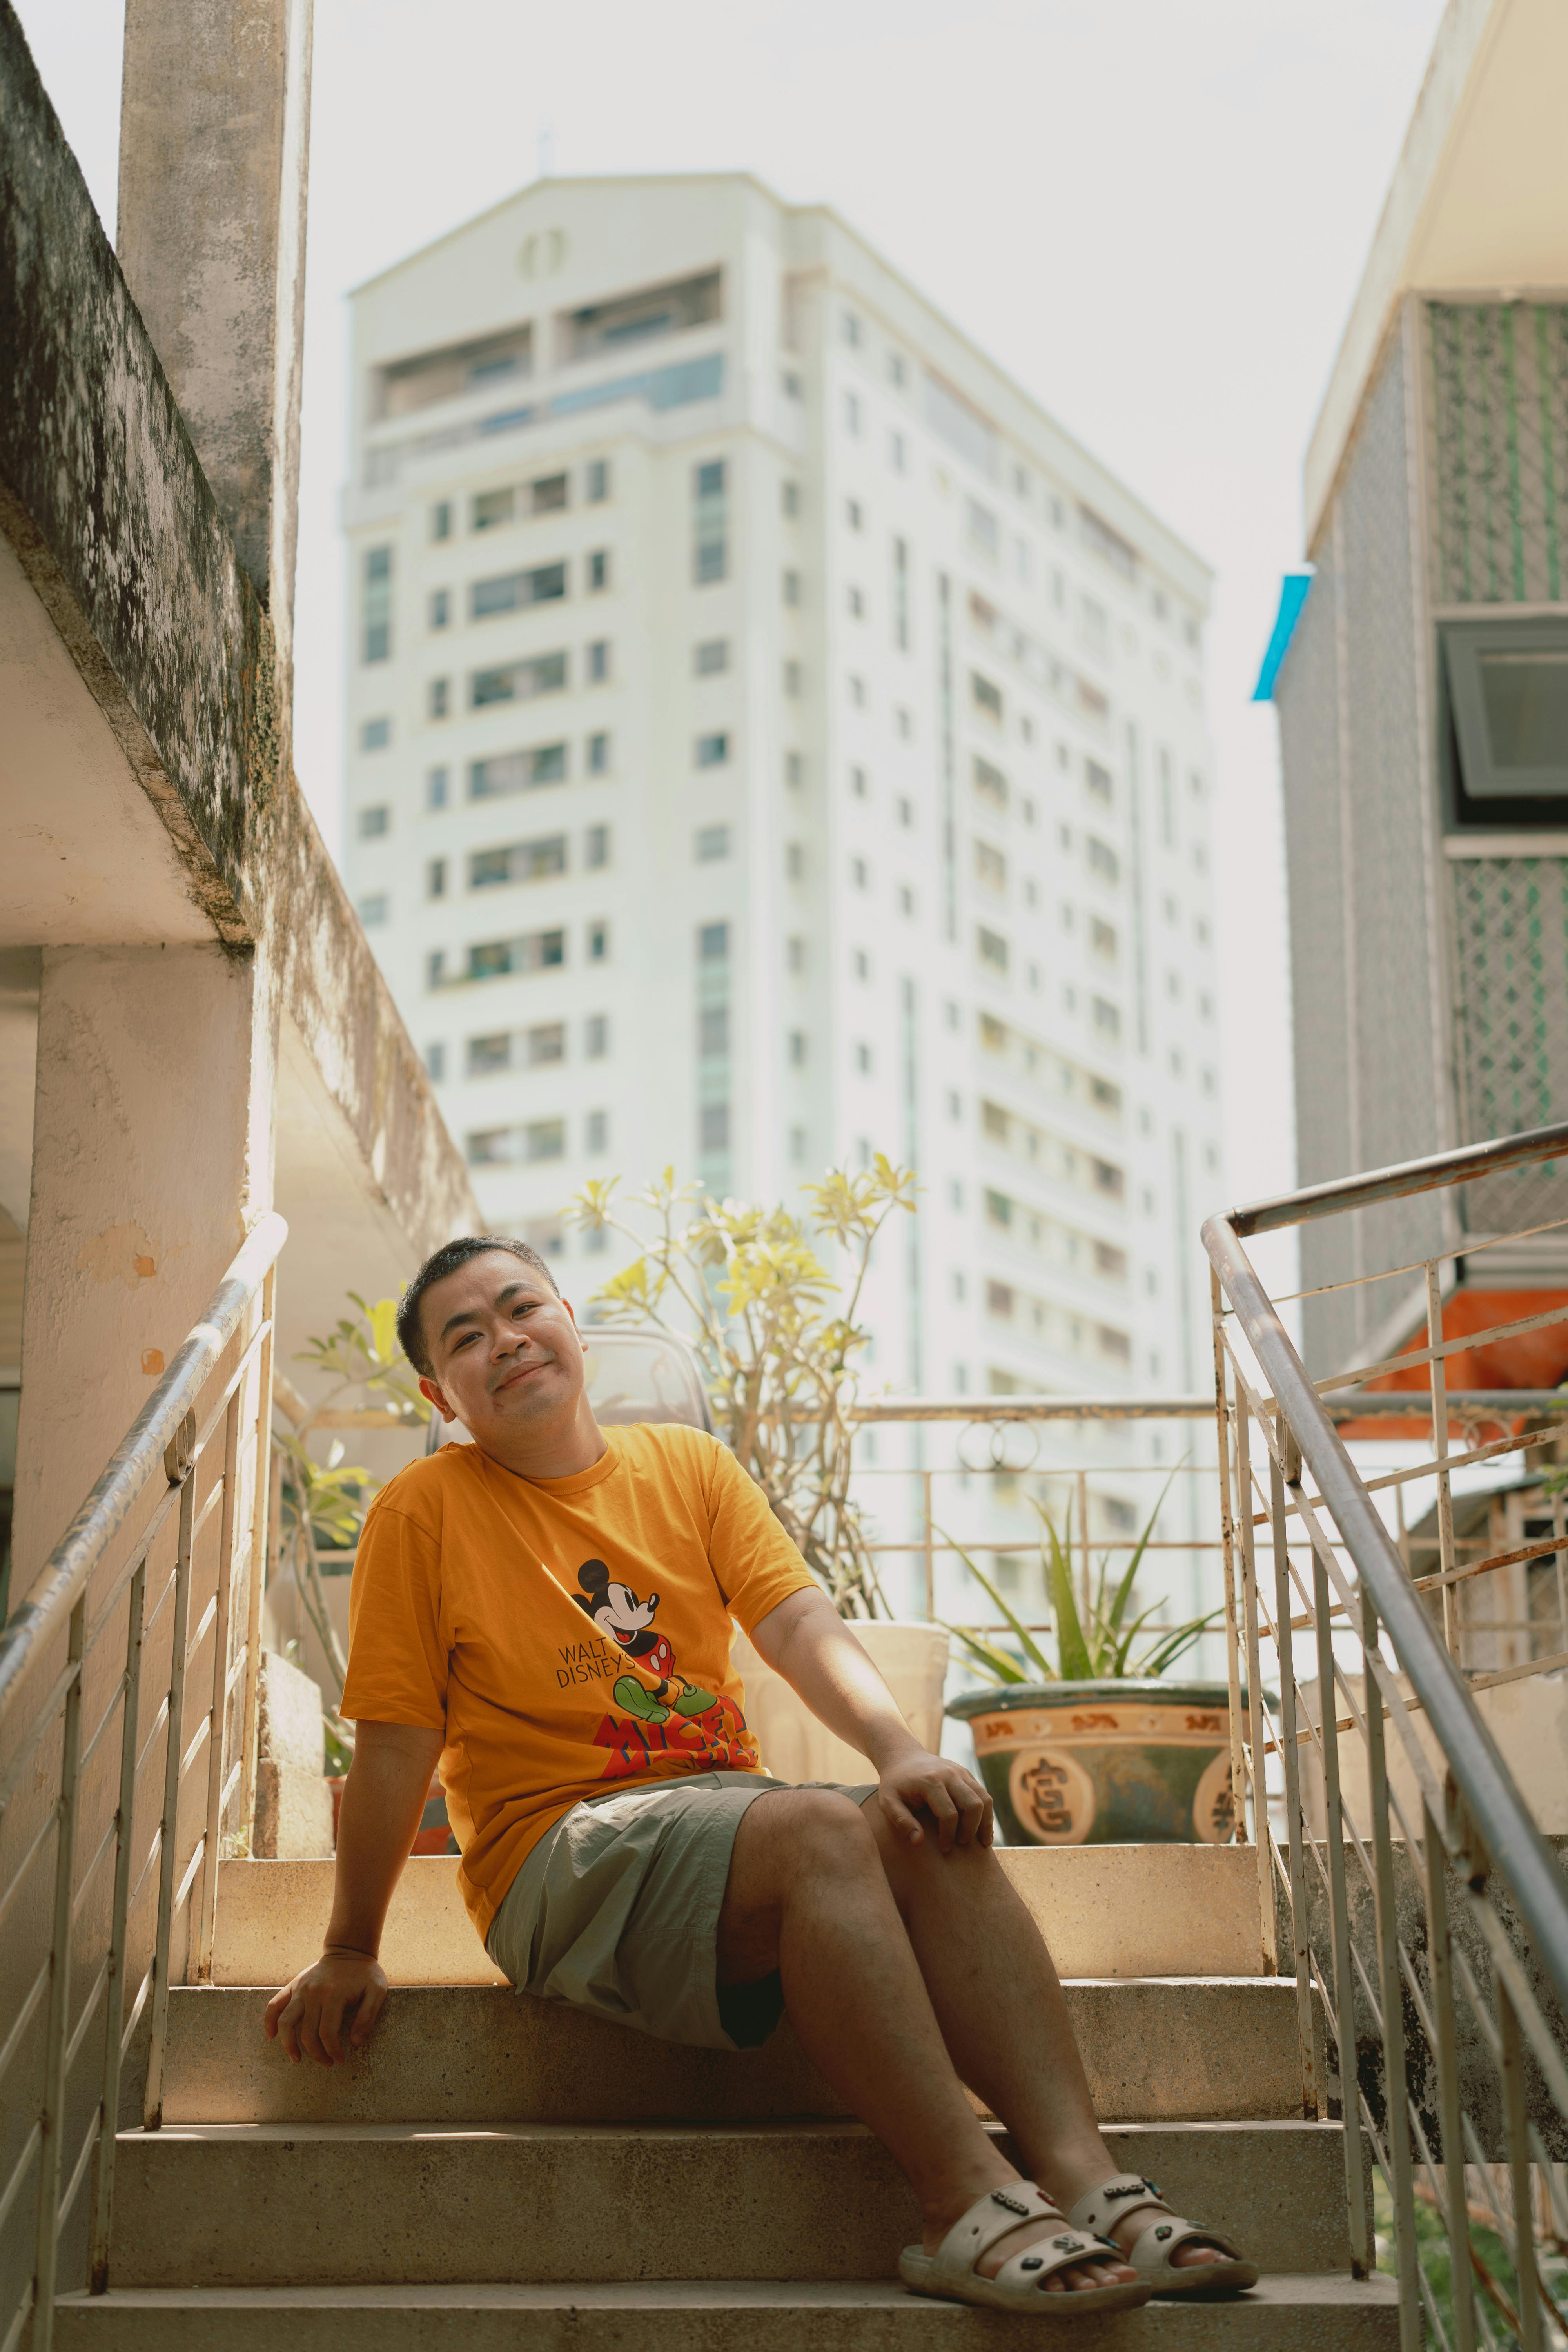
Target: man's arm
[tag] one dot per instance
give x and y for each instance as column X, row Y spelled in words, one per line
column 382, row 1798
column 805, row 1641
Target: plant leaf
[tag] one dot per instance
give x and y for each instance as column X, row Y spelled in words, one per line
column 1072, row 1649
column 1124, row 1590
column 1031, row 1648
column 997, row 1662
column 1175, row 1643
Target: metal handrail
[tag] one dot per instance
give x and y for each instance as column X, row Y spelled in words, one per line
column 1514, row 1845
column 64, row 1576
column 1435, row 1173
column 165, row 1448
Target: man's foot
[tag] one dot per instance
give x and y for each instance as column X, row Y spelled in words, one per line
column 689, row 1700
column 1075, row 2279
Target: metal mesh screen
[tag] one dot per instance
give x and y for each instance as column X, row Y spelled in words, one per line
column 1362, row 951
column 1510, row 958
column 1499, row 436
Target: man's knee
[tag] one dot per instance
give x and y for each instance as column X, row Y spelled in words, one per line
column 824, row 1828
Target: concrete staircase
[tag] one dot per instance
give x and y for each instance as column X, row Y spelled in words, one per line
column 491, row 2172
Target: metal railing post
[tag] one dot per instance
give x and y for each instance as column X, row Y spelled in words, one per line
column 218, row 1736
column 265, row 1474
column 115, row 1983
column 169, row 1830
column 56, row 2030
column 1361, row 2259
column 1440, row 1454
column 1516, row 2127
column 1440, row 1962
column 1268, row 1925
column 1391, row 1993
column 1227, row 1568
column 928, row 1547
column 1300, row 1924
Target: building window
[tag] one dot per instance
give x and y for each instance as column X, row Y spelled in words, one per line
column 599, row 661
column 853, row 514
column 990, row 783
column 596, row 1131
column 794, row 770
column 544, row 1138
column 375, row 606
column 518, row 681
column 1103, row 937
column 373, row 910
column 487, row 1054
column 489, row 1147
column 851, row 413
column 990, row 866
column 851, row 329
column 598, row 569
column 519, row 861
column 795, row 861
column 596, row 481
column 795, row 953
column 861, row 964
column 857, row 692
column 797, row 1146
column 548, row 495
column 546, row 1043
column 712, row 842
column 436, row 877
column 596, row 1036
column 515, row 591
column 598, row 755
column 985, row 530
column 441, row 519
column 435, row 788
column 992, row 948
column 791, row 679
column 436, row 969
column 712, row 1030
column 902, row 595
column 533, row 951
column 1102, row 859
column 440, row 608
column 440, row 696
column 713, row 1126
column 713, row 943
column 712, row 656
column 516, row 772
column 897, row 453
column 789, row 500
column 860, row 874
column 598, row 942
column 374, row 734
column 712, row 750
column 1107, row 1018
column 490, row 509
column 791, row 587
column 863, row 1059
column 797, row 1049
column 1506, row 687
column 709, row 519
column 597, row 845
column 986, row 696
column 372, row 823
column 435, row 1063
column 906, row 900
column 857, row 604
column 1098, row 780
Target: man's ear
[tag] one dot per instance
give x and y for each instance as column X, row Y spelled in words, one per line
column 433, row 1395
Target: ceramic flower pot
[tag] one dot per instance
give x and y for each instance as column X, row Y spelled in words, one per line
column 1105, row 1763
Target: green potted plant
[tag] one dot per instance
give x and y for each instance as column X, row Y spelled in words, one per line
column 1099, row 1746
column 776, row 1334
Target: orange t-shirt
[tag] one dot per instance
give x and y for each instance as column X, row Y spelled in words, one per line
column 563, row 1633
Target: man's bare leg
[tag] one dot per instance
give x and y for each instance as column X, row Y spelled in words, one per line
column 807, row 1895
column 998, row 2002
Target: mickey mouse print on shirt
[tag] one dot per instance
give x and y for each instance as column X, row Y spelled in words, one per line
column 628, row 1622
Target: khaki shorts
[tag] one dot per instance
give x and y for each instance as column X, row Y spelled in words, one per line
column 616, row 1910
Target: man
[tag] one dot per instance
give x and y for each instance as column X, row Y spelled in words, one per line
column 548, row 1612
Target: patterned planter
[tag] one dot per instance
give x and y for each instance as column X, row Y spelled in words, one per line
column 1105, row 1763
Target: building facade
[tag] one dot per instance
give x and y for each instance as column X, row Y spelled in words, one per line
column 772, row 740
column 1422, row 701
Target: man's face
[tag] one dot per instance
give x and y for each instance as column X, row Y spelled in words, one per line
column 504, row 1349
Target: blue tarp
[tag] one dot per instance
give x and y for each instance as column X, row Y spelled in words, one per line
column 1293, row 593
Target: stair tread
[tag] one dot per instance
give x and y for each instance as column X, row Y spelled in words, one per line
column 1323, row 2288
column 771, row 2127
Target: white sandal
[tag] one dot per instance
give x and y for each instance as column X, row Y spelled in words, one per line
column 1150, row 2251
column 950, row 2270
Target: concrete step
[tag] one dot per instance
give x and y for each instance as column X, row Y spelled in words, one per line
column 1163, row 2049
column 321, row 2205
column 1286, row 2313
column 1105, row 1911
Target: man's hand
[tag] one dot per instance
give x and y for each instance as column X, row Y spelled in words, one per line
column 309, row 2014
column 918, row 1782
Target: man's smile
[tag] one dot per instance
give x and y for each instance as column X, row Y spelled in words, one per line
column 516, row 1372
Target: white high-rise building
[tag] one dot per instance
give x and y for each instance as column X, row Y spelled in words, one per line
column 773, row 740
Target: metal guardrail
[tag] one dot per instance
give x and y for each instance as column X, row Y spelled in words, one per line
column 1424, row 1906
column 163, row 1455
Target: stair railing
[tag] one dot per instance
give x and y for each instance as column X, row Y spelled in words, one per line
column 103, row 1610
column 1402, row 1879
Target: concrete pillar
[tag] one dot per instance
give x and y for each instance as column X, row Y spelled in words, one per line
column 152, row 1159
column 214, row 153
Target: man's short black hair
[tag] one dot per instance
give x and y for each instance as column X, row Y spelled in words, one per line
column 436, row 1268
